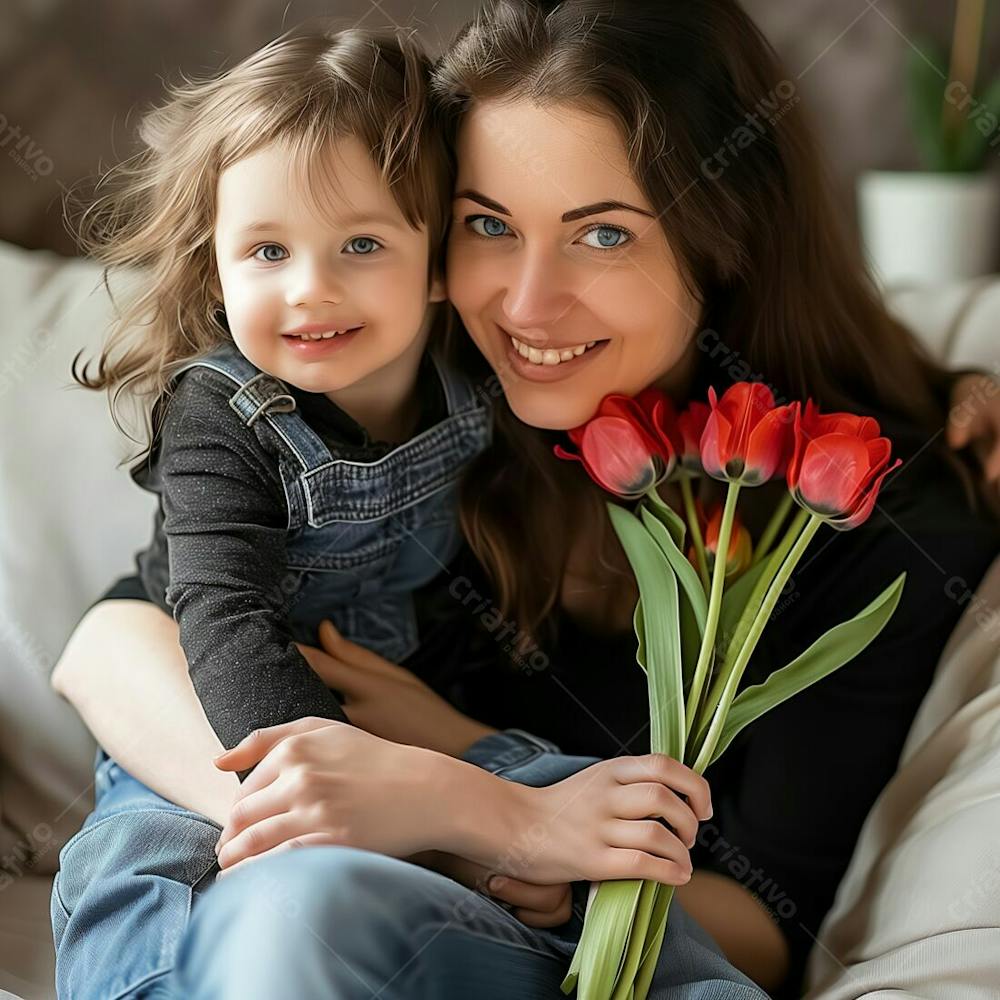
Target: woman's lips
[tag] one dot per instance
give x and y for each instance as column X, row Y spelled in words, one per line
column 547, row 373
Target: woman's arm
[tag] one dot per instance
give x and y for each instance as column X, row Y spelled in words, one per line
column 124, row 671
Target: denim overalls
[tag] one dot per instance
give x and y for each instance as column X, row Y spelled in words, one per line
column 362, row 536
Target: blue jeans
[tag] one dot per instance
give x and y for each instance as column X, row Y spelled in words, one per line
column 137, row 914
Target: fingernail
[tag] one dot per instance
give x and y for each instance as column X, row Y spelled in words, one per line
column 494, row 883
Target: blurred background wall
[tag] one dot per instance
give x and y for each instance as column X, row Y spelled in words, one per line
column 76, row 74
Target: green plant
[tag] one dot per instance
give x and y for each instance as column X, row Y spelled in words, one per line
column 954, row 120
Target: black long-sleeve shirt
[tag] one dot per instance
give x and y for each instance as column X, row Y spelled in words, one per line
column 218, row 554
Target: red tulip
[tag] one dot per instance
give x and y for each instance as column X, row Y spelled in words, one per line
column 747, row 438
column 626, row 447
column 740, row 554
column 838, row 465
column 690, row 427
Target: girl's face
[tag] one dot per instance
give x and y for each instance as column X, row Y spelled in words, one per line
column 300, row 268
column 559, row 266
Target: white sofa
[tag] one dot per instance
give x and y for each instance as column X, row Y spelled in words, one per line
column 70, row 521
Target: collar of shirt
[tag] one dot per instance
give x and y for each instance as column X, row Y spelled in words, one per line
column 344, row 435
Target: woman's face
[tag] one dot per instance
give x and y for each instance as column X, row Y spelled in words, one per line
column 554, row 248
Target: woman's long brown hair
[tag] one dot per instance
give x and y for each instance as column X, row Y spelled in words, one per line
column 717, row 140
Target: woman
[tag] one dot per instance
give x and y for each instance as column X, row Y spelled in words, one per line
column 612, row 193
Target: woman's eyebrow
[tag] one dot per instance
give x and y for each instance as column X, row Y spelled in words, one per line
column 570, row 216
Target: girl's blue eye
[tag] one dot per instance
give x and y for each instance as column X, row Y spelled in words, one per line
column 363, row 245
column 487, row 225
column 264, row 253
column 608, row 237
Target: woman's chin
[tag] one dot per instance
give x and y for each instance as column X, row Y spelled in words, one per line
column 546, row 411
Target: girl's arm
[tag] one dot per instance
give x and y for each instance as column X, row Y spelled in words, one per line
column 124, row 671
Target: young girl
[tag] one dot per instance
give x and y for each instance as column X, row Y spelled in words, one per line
column 308, row 431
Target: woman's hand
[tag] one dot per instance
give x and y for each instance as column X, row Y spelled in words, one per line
column 388, row 700
column 603, row 823
column 974, row 419
column 534, row 905
column 323, row 782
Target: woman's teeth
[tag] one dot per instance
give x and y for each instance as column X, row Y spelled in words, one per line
column 550, row 356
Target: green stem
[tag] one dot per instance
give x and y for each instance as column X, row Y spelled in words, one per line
column 707, row 650
column 771, row 531
column 695, row 527
column 749, row 615
column 771, row 598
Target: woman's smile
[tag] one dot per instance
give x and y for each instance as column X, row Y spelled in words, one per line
column 548, row 364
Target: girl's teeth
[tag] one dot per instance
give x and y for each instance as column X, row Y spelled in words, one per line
column 550, row 356
column 319, row 336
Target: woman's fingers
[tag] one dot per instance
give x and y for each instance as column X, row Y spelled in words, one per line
column 672, row 773
column 650, row 799
column 304, row 840
column 272, row 800
column 354, row 655
column 548, row 918
column 334, row 673
column 253, row 748
column 527, row 895
column 262, row 836
column 650, row 837
column 631, row 863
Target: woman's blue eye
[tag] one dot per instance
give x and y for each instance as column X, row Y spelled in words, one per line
column 265, row 253
column 608, row 237
column 362, row 245
column 487, row 225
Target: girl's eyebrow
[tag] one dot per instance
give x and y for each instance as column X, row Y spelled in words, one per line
column 571, row 216
column 357, row 219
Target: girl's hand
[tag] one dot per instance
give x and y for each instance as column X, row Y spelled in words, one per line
column 603, row 823
column 534, row 905
column 974, row 419
column 325, row 782
column 388, row 700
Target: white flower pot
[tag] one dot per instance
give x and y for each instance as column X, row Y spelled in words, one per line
column 921, row 228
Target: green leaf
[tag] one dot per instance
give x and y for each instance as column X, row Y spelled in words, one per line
column 640, row 634
column 600, row 953
column 829, row 652
column 734, row 600
column 661, row 621
column 654, row 941
column 926, row 81
column 687, row 575
column 636, row 941
column 667, row 516
column 981, row 115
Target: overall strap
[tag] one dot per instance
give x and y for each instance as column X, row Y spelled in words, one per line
column 260, row 395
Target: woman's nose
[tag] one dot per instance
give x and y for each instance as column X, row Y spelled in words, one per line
column 535, row 294
column 312, row 283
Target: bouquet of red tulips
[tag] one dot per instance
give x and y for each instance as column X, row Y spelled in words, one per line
column 703, row 606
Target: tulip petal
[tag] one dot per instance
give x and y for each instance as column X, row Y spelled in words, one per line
column 866, row 505
column 833, row 468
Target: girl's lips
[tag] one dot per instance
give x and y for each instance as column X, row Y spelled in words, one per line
column 320, row 348
column 548, row 373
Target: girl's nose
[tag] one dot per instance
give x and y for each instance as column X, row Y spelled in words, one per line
column 313, row 283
